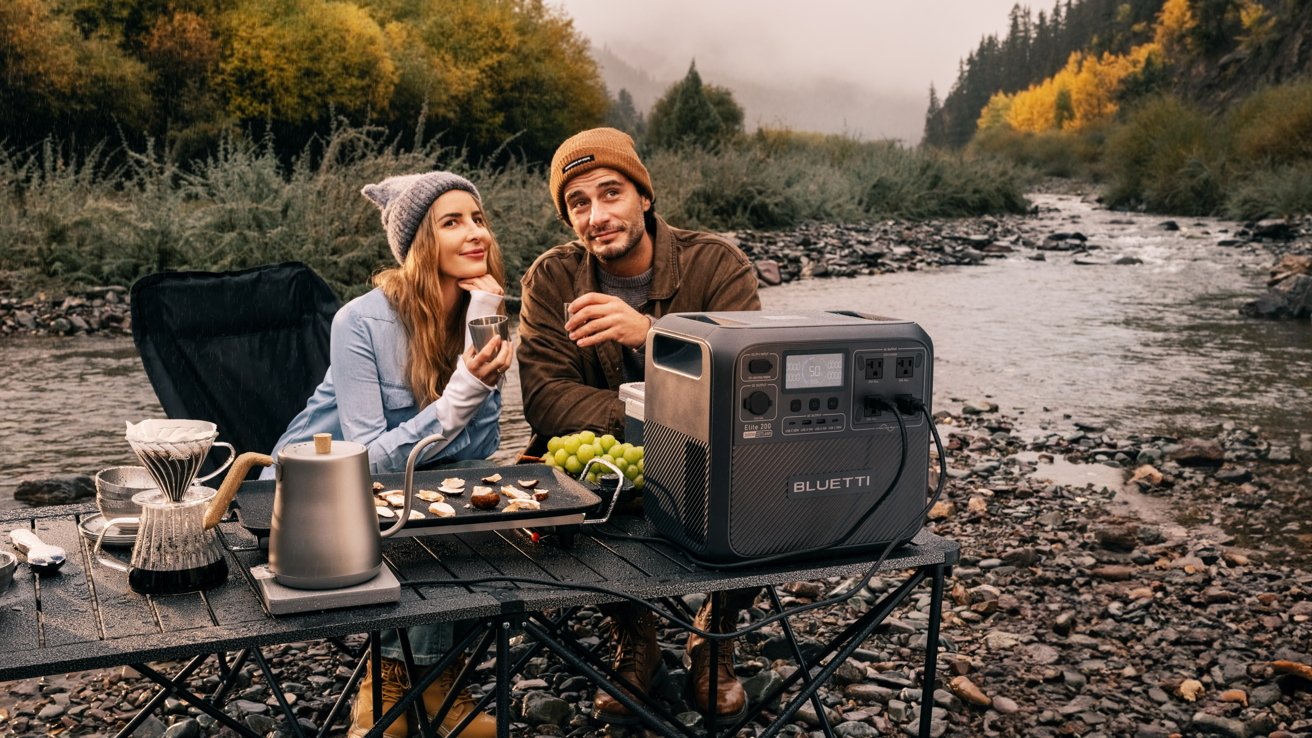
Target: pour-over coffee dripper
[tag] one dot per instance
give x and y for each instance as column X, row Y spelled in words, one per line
column 173, row 450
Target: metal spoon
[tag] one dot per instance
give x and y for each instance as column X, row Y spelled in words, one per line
column 42, row 557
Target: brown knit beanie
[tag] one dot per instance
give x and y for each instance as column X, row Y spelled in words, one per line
column 593, row 148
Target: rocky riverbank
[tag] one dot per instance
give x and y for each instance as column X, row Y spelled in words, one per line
column 1068, row 615
column 821, row 250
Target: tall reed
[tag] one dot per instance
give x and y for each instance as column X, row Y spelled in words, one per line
column 69, row 222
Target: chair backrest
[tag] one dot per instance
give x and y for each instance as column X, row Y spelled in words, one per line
column 241, row 349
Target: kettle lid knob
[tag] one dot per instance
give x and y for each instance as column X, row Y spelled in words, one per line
column 323, row 443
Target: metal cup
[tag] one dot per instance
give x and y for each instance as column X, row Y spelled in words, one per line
column 8, row 565
column 115, row 488
column 482, row 329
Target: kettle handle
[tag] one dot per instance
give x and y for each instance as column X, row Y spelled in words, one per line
column 410, row 481
column 236, row 475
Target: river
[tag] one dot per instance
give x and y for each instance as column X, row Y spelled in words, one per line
column 1157, row 347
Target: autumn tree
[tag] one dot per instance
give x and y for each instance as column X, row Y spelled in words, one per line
column 55, row 80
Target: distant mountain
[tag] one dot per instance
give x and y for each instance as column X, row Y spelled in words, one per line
column 822, row 105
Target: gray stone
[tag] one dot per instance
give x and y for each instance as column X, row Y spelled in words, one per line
column 25, row 319
column 544, row 708
column 1205, row 723
column 63, row 489
column 51, row 711
column 856, row 729
column 250, row 708
column 187, row 728
column 867, row 692
column 1005, row 705
column 760, row 685
column 767, row 270
column 261, row 724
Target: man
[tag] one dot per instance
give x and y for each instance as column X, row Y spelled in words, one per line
column 587, row 308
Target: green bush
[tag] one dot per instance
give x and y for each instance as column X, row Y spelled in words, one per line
column 68, row 221
column 1280, row 192
column 1273, row 126
column 1052, row 153
column 1167, row 157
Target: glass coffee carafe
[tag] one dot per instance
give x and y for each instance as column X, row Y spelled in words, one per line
column 173, row 552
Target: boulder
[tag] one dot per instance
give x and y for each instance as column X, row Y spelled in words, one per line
column 64, row 489
column 1198, row 452
column 1289, row 298
column 767, row 270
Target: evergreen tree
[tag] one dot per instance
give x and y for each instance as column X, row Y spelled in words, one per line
column 690, row 113
column 624, row 115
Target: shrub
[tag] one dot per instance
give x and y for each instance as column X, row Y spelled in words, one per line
column 1273, row 126
column 1281, row 192
column 1166, row 157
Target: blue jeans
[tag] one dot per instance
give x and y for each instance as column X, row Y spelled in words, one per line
column 428, row 642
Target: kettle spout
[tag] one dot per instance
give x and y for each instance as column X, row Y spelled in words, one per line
column 236, row 475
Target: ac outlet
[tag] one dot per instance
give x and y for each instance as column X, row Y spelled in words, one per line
column 874, row 367
column 904, row 367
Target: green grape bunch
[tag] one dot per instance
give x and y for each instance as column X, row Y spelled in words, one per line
column 573, row 452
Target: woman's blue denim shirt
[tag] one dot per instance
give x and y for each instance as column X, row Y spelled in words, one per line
column 366, row 398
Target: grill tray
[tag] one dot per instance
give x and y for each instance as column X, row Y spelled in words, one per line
column 569, row 502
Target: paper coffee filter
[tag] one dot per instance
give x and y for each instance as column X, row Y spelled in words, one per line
column 171, row 431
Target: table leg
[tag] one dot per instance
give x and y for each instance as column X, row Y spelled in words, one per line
column 801, row 661
column 276, row 687
column 345, row 696
column 868, row 623
column 503, row 679
column 712, row 690
column 665, row 725
column 160, row 696
column 194, row 701
column 931, row 653
column 425, row 729
column 375, row 672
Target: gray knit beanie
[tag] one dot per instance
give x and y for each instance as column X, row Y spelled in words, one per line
column 406, row 198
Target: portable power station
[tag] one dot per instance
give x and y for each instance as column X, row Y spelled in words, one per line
column 764, row 433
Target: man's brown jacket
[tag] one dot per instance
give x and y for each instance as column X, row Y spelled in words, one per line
column 568, row 389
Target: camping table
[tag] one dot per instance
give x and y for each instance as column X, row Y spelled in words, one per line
column 85, row 616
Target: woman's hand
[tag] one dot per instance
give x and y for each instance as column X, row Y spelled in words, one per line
column 490, row 364
column 484, row 283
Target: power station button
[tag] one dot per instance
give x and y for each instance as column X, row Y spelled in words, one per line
column 759, row 366
column 758, row 403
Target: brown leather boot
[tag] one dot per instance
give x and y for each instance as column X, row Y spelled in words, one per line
column 482, row 726
column 393, row 688
column 637, row 659
column 730, row 699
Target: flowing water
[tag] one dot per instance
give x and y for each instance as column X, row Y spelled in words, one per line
column 1157, row 347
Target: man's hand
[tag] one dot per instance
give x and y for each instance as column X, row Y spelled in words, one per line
column 596, row 318
column 484, row 283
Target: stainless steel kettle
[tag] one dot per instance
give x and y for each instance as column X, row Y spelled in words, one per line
column 325, row 529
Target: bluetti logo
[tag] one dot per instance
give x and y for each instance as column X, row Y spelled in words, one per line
column 830, row 484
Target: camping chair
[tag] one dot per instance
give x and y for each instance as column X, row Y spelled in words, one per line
column 242, row 349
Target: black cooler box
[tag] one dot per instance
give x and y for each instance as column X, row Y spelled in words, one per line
column 761, row 436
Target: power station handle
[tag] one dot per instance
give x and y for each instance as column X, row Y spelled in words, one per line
column 614, row 498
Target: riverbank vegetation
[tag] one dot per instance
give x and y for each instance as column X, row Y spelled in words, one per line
column 220, row 134
column 111, row 216
column 1194, row 107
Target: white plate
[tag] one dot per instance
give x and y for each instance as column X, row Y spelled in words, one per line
column 117, row 536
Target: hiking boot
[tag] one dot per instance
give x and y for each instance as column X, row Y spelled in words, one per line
column 481, row 726
column 393, row 688
column 730, row 699
column 637, row 659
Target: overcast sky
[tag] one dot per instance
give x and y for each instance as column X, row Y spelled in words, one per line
column 892, row 49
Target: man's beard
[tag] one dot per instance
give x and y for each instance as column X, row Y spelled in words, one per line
column 618, row 249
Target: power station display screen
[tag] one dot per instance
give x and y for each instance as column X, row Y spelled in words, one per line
column 813, row 371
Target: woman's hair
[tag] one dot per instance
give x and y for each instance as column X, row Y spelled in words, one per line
column 435, row 332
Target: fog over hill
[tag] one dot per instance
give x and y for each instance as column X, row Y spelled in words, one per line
column 825, row 105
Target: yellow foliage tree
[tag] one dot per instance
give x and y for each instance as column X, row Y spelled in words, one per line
column 297, row 60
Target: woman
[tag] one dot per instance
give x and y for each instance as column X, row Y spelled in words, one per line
column 402, row 368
